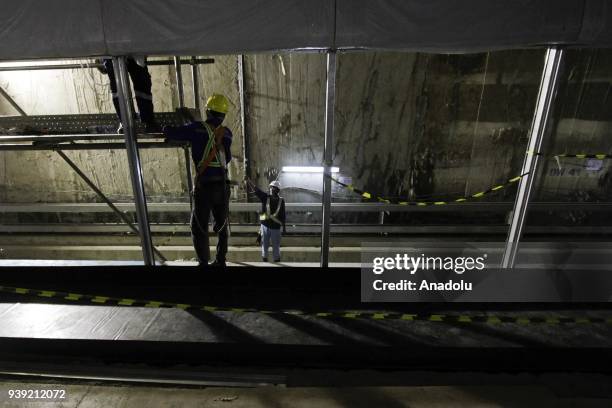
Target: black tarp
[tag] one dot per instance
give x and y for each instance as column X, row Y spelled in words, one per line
column 83, row 28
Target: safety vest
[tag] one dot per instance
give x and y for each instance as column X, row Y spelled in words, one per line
column 216, row 161
column 274, row 217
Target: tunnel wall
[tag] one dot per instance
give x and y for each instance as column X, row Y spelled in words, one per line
column 409, row 126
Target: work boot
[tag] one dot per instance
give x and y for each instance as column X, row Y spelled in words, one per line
column 277, row 260
column 264, row 259
column 218, row 264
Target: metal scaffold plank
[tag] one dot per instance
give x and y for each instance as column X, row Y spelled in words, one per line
column 76, row 124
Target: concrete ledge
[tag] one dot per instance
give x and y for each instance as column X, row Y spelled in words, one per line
column 173, row 253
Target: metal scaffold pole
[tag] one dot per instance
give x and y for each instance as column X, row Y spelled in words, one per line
column 179, row 82
column 548, row 88
column 330, row 102
column 93, row 64
column 127, row 118
column 189, row 173
column 195, row 83
column 241, row 92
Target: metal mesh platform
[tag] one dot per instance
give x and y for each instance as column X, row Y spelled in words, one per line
column 76, row 124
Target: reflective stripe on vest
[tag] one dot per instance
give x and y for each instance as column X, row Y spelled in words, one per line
column 215, row 162
column 273, row 217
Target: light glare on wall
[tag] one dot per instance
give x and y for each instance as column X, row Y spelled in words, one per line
column 307, row 169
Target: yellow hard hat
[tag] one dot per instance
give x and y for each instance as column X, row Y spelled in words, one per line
column 217, row 103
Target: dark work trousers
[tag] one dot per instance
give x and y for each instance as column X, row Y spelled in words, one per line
column 212, row 196
column 141, row 79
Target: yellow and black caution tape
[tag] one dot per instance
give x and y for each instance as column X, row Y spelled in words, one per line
column 585, row 156
column 498, row 187
column 480, row 194
column 600, row 156
column 344, row 314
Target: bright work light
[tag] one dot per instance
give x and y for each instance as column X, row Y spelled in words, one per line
column 307, row 169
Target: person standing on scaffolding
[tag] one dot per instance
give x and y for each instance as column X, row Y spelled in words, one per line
column 211, row 152
column 272, row 218
column 141, row 79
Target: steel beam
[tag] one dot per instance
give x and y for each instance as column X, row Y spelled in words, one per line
column 330, row 102
column 179, row 82
column 10, row 100
column 108, row 202
column 72, row 137
column 84, row 146
column 305, row 207
column 91, row 64
column 546, row 95
column 310, row 229
column 127, row 118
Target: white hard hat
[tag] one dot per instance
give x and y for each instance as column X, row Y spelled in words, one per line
column 276, row 184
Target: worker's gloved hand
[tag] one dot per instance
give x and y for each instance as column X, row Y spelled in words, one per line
column 185, row 115
column 163, row 131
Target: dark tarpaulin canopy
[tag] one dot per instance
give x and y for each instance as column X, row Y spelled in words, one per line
column 84, row 28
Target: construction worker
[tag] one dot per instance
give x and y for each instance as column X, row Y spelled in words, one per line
column 141, row 79
column 272, row 218
column 210, row 151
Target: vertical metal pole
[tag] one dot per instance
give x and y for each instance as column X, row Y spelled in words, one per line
column 195, row 83
column 189, row 174
column 12, row 102
column 196, row 104
column 330, row 102
column 179, row 81
column 245, row 146
column 548, row 87
column 127, row 118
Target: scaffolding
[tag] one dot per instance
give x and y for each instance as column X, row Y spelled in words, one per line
column 70, row 132
column 60, row 143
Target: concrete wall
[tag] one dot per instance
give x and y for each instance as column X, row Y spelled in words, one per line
column 408, row 125
column 285, row 95
column 582, row 124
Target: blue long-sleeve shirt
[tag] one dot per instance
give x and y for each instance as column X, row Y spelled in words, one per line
column 196, row 134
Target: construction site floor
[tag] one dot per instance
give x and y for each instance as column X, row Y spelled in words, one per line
column 280, row 317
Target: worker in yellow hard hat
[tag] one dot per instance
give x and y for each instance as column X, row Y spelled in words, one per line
column 211, row 152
